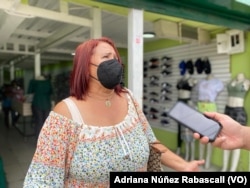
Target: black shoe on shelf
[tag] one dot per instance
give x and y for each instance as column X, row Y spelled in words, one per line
column 165, row 98
column 166, row 73
column 153, row 66
column 154, row 63
column 166, row 66
column 166, row 59
column 153, row 110
column 153, row 116
column 166, row 85
column 165, row 91
column 153, row 93
column 152, row 100
column 153, row 78
column 153, row 83
column 164, row 122
column 164, row 114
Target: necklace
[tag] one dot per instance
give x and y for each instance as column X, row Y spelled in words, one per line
column 108, row 102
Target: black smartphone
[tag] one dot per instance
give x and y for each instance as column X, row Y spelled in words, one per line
column 195, row 120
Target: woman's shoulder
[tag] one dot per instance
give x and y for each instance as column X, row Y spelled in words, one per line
column 62, row 109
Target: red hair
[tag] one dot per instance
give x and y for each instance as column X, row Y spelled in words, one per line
column 80, row 75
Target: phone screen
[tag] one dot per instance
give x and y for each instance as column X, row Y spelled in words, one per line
column 195, row 120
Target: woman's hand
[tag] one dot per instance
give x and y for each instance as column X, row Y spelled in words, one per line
column 193, row 166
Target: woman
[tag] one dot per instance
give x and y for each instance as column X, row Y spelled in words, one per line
column 96, row 129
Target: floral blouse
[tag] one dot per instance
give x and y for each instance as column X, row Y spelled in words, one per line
column 70, row 154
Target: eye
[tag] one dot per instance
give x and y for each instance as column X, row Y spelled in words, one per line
column 106, row 57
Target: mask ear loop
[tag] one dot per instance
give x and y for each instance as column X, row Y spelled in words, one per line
column 91, row 75
column 94, row 64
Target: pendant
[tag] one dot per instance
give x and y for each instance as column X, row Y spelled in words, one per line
column 107, row 103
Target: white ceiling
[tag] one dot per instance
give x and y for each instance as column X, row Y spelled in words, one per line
column 52, row 28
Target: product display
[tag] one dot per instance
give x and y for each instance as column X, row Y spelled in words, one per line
column 164, row 91
column 158, row 91
column 165, row 98
column 165, row 66
column 165, row 85
column 190, row 66
column 153, row 93
column 153, row 110
column 154, row 63
column 154, row 83
column 164, row 122
column 182, row 67
column 166, row 73
column 153, row 78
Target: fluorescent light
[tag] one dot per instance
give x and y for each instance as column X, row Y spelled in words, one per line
column 148, row 35
column 20, row 14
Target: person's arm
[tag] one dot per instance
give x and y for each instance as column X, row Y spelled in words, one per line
column 54, row 150
column 233, row 135
column 175, row 162
column 168, row 158
column 246, row 137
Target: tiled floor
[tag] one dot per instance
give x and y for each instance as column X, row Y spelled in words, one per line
column 16, row 153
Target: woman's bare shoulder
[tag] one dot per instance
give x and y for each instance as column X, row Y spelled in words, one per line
column 62, row 108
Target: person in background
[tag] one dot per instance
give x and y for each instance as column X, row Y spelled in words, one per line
column 17, row 96
column 232, row 136
column 42, row 91
column 96, row 129
column 6, row 103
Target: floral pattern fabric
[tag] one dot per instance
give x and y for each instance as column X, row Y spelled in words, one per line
column 70, row 154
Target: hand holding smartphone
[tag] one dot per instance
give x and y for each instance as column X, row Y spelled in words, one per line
column 195, row 120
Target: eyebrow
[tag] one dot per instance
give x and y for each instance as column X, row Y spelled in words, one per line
column 109, row 53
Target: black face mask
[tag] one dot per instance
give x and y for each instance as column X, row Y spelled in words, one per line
column 109, row 73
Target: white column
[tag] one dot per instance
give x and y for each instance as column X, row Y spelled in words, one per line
column 96, row 30
column 135, row 53
column 1, row 75
column 37, row 65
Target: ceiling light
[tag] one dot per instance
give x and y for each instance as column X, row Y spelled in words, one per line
column 148, row 35
column 19, row 14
